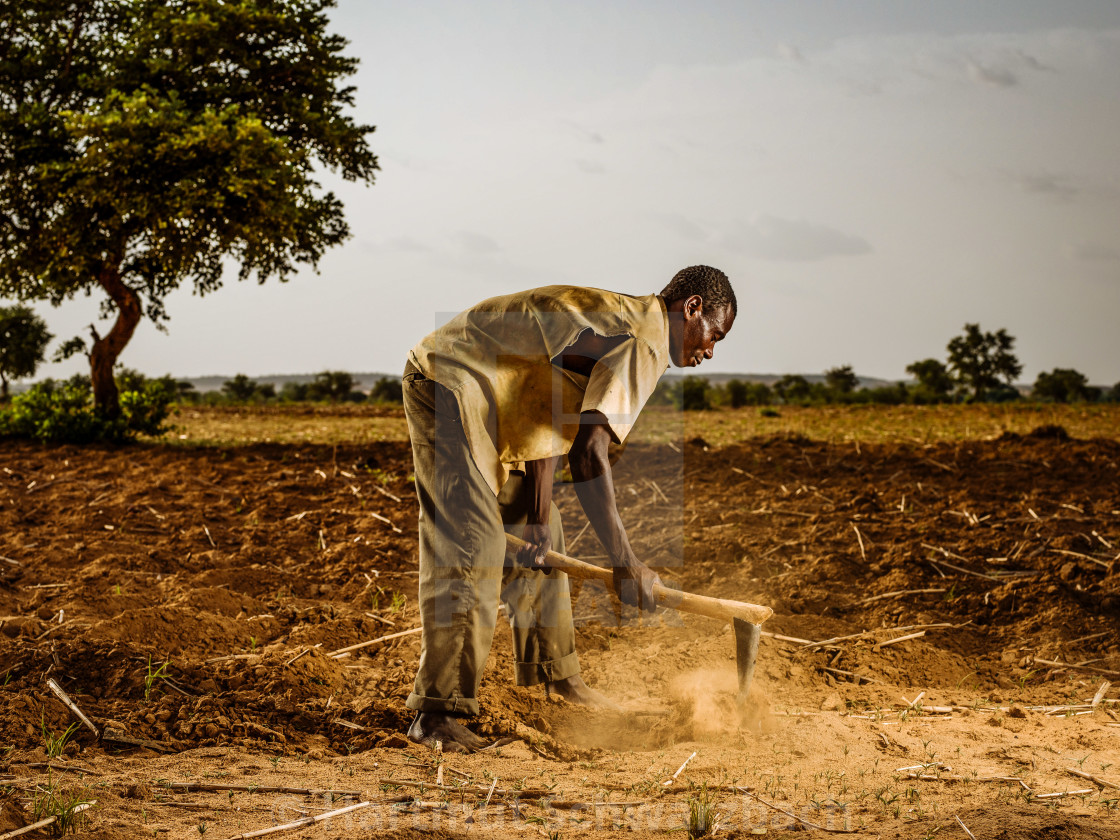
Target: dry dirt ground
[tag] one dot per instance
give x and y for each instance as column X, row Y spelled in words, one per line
column 190, row 598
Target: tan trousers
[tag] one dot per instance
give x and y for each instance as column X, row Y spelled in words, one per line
column 463, row 570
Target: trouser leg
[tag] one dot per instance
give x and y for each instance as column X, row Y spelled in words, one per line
column 539, row 605
column 462, row 547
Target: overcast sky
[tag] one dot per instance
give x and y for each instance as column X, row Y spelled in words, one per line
column 871, row 175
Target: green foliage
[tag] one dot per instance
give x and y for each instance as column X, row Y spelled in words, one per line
column 242, row 389
column 386, row 390
column 702, row 816
column 897, row 394
column 841, row 380
column 980, row 361
column 934, row 381
column 146, row 142
column 295, row 392
column 666, row 393
column 23, row 343
column 736, row 393
column 65, row 806
column 1064, row 385
column 70, row 347
column 54, row 742
column 154, row 676
column 185, row 391
column 747, row 393
column 793, row 388
column 696, row 394
column 333, row 386
column 63, row 412
column 328, row 386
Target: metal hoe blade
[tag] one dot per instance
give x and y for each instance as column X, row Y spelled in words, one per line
column 746, row 654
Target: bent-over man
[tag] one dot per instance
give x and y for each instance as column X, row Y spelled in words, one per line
column 493, row 399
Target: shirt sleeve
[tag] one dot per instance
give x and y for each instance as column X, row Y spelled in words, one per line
column 620, row 384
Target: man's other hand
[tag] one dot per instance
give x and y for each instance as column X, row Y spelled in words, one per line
column 538, row 539
column 633, row 584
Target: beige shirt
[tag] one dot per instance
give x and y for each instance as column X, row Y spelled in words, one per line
column 515, row 404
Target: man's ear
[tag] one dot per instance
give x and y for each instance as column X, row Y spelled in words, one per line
column 694, row 305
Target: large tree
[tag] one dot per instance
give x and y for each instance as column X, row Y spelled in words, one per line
column 144, row 142
column 980, row 361
column 23, row 342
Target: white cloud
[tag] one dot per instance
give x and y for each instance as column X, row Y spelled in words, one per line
column 684, row 228
column 772, row 238
column 591, row 167
column 1047, row 184
column 476, row 244
column 788, row 52
column 1092, row 252
column 992, row 75
column 406, row 244
column 585, row 134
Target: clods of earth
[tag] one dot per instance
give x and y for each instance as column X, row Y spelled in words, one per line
column 941, row 659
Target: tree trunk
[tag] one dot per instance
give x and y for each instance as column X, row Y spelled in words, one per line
column 3, row 388
column 103, row 356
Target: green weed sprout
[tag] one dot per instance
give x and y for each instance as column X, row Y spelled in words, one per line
column 150, row 678
column 53, row 741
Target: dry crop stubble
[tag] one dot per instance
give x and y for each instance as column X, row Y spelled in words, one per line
column 291, row 557
column 357, row 424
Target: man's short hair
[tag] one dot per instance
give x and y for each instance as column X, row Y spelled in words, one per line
column 710, row 283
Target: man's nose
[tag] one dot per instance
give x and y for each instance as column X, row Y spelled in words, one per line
column 709, row 352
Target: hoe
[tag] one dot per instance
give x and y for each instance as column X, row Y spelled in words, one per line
column 745, row 618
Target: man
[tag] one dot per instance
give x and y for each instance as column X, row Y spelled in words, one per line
column 493, row 399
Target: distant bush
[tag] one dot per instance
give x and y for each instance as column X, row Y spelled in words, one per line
column 839, row 382
column 63, row 412
column 294, row 392
column 328, row 386
column 793, row 388
column 897, row 394
column 666, row 393
column 387, row 390
column 1064, row 385
column 243, row 389
column 23, row 341
column 334, row 386
column 696, row 393
column 741, row 393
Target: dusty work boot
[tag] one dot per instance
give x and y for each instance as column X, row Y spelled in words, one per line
column 428, row 728
column 575, row 690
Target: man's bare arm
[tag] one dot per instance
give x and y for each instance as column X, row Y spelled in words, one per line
column 538, row 478
column 594, row 482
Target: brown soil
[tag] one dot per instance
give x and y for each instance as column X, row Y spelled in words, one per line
column 226, row 564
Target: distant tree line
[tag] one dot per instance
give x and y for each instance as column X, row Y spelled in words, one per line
column 330, row 386
column 980, row 367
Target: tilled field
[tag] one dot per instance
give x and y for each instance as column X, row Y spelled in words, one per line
column 190, row 600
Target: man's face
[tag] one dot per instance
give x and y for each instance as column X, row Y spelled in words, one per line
column 693, row 332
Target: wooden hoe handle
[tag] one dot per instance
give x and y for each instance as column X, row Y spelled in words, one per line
column 720, row 608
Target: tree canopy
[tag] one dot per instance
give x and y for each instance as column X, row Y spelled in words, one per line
column 934, row 380
column 23, row 343
column 1063, row 385
column 792, row 387
column 841, row 380
column 144, row 142
column 981, row 361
